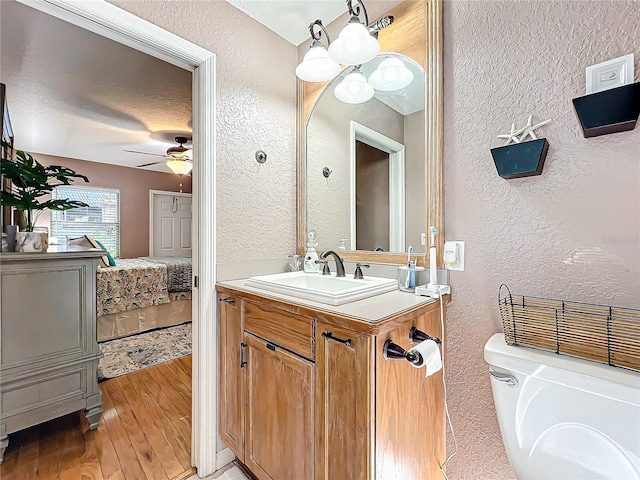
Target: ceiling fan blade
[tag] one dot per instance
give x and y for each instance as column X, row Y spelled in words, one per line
column 145, row 153
column 149, row 164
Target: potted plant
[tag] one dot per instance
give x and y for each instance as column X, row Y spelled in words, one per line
column 30, row 194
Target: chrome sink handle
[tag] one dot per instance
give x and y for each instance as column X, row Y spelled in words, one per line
column 507, row 378
column 357, row 275
column 325, row 266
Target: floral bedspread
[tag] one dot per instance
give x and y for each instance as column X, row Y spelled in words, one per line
column 132, row 283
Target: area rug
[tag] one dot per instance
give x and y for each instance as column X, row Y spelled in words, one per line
column 129, row 354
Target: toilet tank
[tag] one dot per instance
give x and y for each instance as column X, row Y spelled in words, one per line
column 565, row 418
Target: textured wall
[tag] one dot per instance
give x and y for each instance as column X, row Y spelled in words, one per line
column 574, row 231
column 134, row 185
column 256, row 109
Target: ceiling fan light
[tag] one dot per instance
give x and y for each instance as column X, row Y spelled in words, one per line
column 354, row 46
column 317, row 66
column 354, row 89
column 180, row 167
column 392, row 74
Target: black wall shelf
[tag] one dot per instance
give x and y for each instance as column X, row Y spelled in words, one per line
column 611, row 111
column 521, row 159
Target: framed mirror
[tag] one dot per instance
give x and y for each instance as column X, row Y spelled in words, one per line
column 370, row 174
column 365, row 185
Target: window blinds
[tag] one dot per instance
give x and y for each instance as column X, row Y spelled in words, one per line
column 100, row 220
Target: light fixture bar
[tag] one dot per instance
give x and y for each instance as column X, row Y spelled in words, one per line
column 379, row 24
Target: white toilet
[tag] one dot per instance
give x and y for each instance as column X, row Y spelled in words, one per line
column 565, row 418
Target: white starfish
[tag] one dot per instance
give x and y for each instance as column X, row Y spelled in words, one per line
column 512, row 136
column 529, row 128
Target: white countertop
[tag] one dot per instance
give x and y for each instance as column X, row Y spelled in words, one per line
column 372, row 310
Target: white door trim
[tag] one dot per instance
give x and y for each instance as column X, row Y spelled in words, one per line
column 110, row 21
column 396, row 182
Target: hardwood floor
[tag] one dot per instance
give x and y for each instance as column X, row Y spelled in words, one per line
column 144, row 433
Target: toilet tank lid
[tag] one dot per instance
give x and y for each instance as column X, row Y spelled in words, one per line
column 527, row 360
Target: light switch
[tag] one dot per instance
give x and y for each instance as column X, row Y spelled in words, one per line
column 423, row 238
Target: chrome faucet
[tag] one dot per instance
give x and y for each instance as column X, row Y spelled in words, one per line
column 339, row 262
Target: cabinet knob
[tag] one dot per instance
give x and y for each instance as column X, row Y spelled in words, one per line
column 229, row 301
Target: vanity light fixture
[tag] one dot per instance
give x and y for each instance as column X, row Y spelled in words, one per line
column 180, row 166
column 317, row 66
column 392, row 74
column 354, row 88
column 356, row 44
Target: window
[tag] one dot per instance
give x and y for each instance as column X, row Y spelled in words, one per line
column 100, row 220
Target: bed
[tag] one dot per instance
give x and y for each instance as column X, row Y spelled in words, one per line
column 142, row 294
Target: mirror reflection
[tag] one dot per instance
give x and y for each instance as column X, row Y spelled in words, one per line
column 366, row 161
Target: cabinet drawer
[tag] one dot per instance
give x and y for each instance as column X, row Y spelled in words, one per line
column 43, row 389
column 290, row 331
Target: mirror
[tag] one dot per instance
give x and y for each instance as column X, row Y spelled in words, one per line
column 326, row 204
column 365, row 185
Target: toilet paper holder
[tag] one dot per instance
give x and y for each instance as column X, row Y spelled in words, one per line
column 417, row 336
column 393, row 351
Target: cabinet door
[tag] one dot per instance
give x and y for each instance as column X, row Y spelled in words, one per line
column 410, row 416
column 344, row 404
column 231, row 384
column 279, row 408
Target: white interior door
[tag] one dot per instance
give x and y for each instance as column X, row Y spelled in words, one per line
column 170, row 224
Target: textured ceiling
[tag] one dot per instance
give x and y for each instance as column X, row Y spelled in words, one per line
column 73, row 93
column 291, row 18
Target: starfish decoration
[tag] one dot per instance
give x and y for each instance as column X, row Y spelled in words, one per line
column 529, row 128
column 512, row 136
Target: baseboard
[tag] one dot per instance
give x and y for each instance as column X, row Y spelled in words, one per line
column 224, row 457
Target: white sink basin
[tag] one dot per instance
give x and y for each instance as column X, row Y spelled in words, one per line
column 327, row 289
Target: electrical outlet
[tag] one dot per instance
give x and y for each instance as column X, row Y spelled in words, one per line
column 458, row 263
column 423, row 238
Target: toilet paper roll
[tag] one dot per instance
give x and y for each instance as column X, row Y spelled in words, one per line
column 429, row 357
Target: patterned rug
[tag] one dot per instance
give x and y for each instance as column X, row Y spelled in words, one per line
column 129, row 354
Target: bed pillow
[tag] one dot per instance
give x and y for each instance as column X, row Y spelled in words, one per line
column 112, row 262
column 85, row 241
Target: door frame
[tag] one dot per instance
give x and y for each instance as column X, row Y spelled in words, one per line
column 397, row 222
column 152, row 195
column 112, row 22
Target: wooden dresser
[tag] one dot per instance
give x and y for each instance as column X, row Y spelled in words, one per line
column 48, row 349
column 307, row 395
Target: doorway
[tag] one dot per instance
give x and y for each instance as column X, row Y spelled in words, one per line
column 110, row 21
column 395, row 199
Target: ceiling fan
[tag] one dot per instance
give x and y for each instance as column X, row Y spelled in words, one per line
column 178, row 158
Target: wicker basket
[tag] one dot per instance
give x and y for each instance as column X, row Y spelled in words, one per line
column 605, row 334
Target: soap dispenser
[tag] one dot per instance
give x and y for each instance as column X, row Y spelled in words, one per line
column 311, row 256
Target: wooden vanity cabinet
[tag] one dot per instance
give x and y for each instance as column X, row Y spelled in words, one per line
column 316, row 400
column 344, row 403
column 231, row 375
column 279, row 391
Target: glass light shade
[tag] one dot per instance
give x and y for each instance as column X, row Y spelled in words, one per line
column 354, row 45
column 391, row 74
column 317, row 66
column 353, row 89
column 180, row 167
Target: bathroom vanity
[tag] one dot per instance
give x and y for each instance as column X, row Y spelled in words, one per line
column 306, row 393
